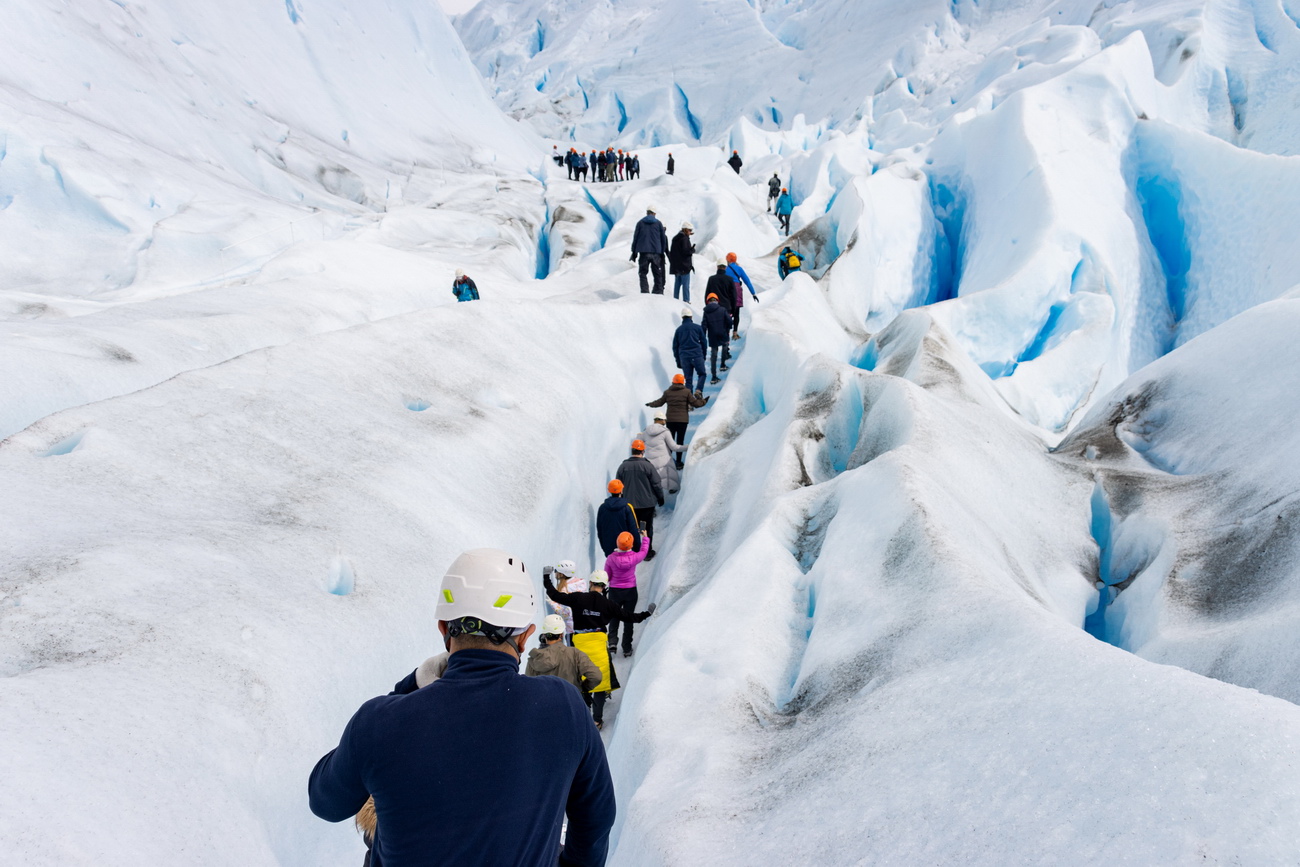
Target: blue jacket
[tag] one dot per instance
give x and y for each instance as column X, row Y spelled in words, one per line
column 735, row 272
column 785, row 204
column 688, row 341
column 443, row 762
column 615, row 516
column 582, row 161
column 649, row 236
column 464, row 289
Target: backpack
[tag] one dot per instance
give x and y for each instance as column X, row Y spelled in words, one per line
column 792, row 261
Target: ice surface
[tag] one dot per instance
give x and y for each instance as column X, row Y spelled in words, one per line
column 985, row 551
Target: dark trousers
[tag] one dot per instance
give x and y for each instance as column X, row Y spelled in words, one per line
column 716, row 351
column 625, row 598
column 646, row 515
column 654, row 262
column 598, row 705
column 785, row 222
column 678, row 430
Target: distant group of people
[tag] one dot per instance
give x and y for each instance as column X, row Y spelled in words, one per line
column 605, row 166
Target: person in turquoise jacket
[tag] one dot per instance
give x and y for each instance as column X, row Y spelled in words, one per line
column 784, row 208
column 463, row 287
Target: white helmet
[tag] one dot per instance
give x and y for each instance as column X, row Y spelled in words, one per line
column 600, row 576
column 567, row 568
column 688, row 227
column 490, row 585
column 722, row 263
column 460, row 272
column 686, row 313
column 661, row 414
column 553, row 624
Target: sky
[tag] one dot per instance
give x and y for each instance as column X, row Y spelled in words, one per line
column 455, row 7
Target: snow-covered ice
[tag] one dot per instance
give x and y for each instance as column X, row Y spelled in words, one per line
column 987, row 547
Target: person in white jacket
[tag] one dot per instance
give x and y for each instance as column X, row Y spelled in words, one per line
column 659, row 448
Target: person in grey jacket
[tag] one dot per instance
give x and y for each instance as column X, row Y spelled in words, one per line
column 650, row 243
column 642, row 489
column 659, row 449
column 558, row 659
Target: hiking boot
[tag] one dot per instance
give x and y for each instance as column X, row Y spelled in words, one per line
column 627, row 651
column 698, row 394
column 715, row 380
column 648, row 558
column 600, row 724
column 723, row 367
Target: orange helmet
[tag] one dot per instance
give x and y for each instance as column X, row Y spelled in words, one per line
column 625, row 541
column 713, row 296
column 615, row 487
column 678, row 379
column 638, row 445
column 731, row 257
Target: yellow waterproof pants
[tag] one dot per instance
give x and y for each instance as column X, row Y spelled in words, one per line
column 593, row 644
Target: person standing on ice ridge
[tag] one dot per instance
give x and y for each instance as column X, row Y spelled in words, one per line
column 621, row 568
column 680, row 401
column 557, row 659
column 592, row 614
column 463, row 287
column 740, row 280
column 641, row 482
column 424, row 756
column 636, row 166
column 615, row 515
column 735, row 162
column 784, row 208
column 689, row 347
column 555, row 155
column 659, row 449
column 788, row 262
column 582, row 167
column 717, row 328
column 672, row 164
column 680, row 264
column 650, row 242
column 773, row 190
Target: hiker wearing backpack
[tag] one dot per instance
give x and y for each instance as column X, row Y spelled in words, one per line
column 615, row 516
column 784, row 208
column 463, row 287
column 680, row 264
column 740, row 280
column 788, row 262
column 773, row 190
column 717, row 328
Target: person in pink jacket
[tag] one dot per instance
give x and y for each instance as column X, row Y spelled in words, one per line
column 621, row 566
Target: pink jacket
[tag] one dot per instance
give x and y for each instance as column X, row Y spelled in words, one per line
column 621, row 565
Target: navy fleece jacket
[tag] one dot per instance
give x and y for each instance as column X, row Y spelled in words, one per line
column 478, row 767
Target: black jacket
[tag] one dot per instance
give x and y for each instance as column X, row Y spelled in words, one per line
column 649, row 236
column 615, row 516
column 672, row 164
column 591, row 610
column 679, row 255
column 680, row 402
column 717, row 324
column 724, row 287
column 641, row 485
column 735, row 162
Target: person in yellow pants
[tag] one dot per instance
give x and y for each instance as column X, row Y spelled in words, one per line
column 592, row 613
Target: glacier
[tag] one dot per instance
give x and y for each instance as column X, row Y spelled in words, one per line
column 987, row 547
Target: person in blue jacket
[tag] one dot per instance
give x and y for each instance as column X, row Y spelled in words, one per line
column 740, row 280
column 615, row 516
column 463, row 287
column 482, row 765
column 650, row 243
column 789, row 261
column 689, row 348
column 582, row 166
column 784, row 208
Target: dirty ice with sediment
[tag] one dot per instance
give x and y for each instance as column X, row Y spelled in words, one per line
column 986, row 550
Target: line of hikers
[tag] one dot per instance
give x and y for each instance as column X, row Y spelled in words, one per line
column 605, row 166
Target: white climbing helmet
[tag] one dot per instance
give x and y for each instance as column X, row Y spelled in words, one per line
column 460, row 272
column 553, row 624
column 490, row 585
column 687, row 313
column 600, row 576
column 722, row 263
column 661, row 414
column 687, row 227
column 567, row 568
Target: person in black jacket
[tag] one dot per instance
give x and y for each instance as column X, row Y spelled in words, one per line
column 735, row 162
column 650, row 243
column 671, row 164
column 593, row 612
column 689, row 346
column 642, row 488
column 615, row 516
column 717, row 327
column 680, row 264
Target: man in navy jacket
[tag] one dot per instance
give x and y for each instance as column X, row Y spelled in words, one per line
column 615, row 516
column 650, row 242
column 688, row 349
column 482, row 765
